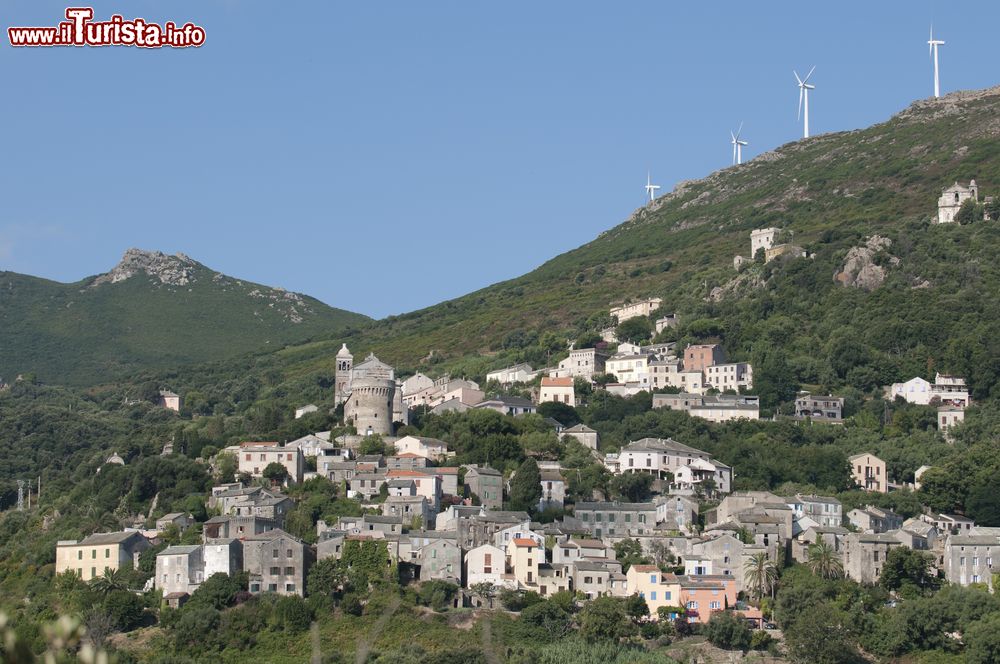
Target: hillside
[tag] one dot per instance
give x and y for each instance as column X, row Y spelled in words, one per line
column 152, row 312
column 827, row 194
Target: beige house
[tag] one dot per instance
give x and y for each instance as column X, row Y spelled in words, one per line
column 636, row 309
column 762, row 238
column 948, row 417
column 869, row 472
column 169, row 400
column 657, row 588
column 255, row 457
column 559, row 390
column 90, row 557
column 523, row 557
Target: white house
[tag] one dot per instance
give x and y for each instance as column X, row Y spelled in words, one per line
column 557, row 389
column 519, row 373
column 487, row 564
column 762, row 238
column 428, row 448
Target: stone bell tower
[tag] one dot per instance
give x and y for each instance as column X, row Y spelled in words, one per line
column 342, row 376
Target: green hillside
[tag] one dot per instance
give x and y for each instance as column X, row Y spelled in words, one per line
column 169, row 311
column 936, row 310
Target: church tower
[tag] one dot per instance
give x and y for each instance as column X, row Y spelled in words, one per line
column 342, row 377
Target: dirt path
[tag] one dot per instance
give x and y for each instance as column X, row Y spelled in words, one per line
column 365, row 643
column 486, row 631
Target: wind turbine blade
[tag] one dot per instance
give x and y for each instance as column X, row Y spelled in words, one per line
column 802, row 91
column 740, row 130
column 809, row 74
column 797, row 77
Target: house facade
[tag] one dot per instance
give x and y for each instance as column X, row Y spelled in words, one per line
column 869, row 472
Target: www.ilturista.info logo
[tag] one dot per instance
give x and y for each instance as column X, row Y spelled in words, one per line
column 81, row 30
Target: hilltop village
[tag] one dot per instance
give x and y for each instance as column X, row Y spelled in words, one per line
column 678, row 537
column 643, row 479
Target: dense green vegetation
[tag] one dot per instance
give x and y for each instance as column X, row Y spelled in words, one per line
column 82, row 334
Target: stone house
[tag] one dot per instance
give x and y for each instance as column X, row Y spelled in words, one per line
column 948, row 417
column 179, row 519
column 222, row 527
column 871, row 519
column 486, row 484
column 553, row 489
column 614, row 519
column 179, row 569
column 823, row 510
column 440, row 559
column 90, row 557
column 585, row 435
column 408, row 508
column 571, row 550
column 865, row 553
column 583, row 362
column 553, row 578
column 367, row 485
column 277, row 562
column 593, row 577
column 971, row 559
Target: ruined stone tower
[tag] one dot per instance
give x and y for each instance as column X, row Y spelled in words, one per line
column 369, row 406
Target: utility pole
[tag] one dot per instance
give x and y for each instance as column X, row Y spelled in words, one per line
column 20, row 495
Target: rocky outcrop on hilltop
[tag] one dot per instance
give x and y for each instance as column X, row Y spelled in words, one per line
column 176, row 270
column 864, row 266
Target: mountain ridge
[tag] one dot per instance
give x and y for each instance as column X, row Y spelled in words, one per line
column 151, row 311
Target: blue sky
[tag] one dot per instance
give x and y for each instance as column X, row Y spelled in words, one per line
column 385, row 156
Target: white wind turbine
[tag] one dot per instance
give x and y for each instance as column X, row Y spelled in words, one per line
column 804, row 89
column 650, row 187
column 738, row 146
column 933, row 46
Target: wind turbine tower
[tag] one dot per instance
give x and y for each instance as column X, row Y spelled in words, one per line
column 650, row 187
column 804, row 89
column 738, row 146
column 933, row 46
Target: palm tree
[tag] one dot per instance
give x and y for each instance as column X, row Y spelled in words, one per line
column 824, row 561
column 760, row 575
column 112, row 580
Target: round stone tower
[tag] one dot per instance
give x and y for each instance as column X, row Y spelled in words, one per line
column 369, row 406
column 342, row 376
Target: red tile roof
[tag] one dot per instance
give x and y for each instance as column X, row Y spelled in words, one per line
column 524, row 541
column 557, row 382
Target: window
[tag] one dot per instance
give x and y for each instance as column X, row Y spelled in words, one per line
column 79, row 555
column 714, row 605
column 652, row 595
column 274, row 553
column 652, row 578
column 289, row 571
column 272, row 587
column 290, row 587
column 107, row 553
column 275, row 571
column 93, row 554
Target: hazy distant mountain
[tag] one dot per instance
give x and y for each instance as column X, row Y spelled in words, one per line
column 152, row 311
